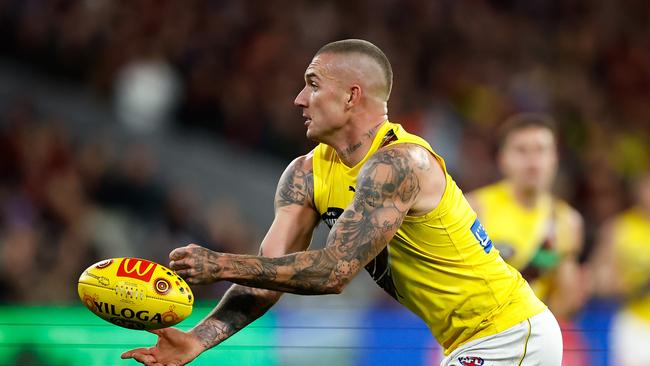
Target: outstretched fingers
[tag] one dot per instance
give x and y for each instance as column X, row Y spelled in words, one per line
column 142, row 355
column 133, row 352
column 146, row 359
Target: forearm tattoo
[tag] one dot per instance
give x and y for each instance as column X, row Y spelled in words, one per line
column 386, row 188
column 239, row 307
column 296, row 186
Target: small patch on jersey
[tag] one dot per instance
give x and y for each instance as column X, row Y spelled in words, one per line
column 389, row 137
column 471, row 361
column 481, row 235
column 351, row 189
column 331, row 215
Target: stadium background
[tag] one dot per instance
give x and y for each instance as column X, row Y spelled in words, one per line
column 128, row 128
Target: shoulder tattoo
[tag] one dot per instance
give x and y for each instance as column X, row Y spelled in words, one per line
column 296, row 186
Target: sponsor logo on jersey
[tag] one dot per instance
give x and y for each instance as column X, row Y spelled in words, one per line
column 331, row 215
column 138, row 269
column 481, row 235
column 471, row 361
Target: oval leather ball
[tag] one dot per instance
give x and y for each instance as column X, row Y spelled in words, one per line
column 135, row 293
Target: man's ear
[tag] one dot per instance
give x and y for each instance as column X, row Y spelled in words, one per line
column 354, row 96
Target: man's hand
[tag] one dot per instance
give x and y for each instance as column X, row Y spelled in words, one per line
column 174, row 348
column 197, row 265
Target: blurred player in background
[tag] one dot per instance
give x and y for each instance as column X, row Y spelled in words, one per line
column 621, row 267
column 393, row 209
column 536, row 232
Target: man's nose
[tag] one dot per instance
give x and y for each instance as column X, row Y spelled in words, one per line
column 301, row 99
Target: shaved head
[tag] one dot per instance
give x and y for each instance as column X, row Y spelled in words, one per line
column 365, row 60
column 347, row 85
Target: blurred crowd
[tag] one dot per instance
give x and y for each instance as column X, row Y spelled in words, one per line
column 66, row 203
column 234, row 67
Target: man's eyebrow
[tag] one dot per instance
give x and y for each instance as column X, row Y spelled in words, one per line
column 311, row 75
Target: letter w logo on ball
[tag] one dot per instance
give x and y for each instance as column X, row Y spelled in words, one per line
column 133, row 268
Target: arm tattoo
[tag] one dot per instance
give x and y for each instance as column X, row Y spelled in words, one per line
column 239, row 307
column 296, row 186
column 386, row 189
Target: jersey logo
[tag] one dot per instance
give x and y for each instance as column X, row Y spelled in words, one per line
column 471, row 361
column 331, row 215
column 351, row 189
column 481, row 235
column 139, row 269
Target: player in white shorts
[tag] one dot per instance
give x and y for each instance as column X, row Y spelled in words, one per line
column 536, row 341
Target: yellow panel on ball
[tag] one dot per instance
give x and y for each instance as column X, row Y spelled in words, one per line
column 135, row 293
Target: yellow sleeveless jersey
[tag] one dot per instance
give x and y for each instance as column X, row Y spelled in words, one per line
column 442, row 265
column 631, row 233
column 533, row 240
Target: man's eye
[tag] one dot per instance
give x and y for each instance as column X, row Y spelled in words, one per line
column 313, row 85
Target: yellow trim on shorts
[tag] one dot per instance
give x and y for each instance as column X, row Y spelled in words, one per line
column 525, row 344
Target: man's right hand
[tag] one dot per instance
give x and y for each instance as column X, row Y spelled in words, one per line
column 174, row 348
column 196, row 264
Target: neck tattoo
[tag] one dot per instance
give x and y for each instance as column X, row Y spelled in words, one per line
column 352, row 148
column 366, row 136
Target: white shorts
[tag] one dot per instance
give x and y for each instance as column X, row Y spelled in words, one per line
column 536, row 341
column 630, row 340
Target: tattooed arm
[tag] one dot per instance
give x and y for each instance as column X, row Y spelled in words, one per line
column 393, row 182
column 291, row 231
